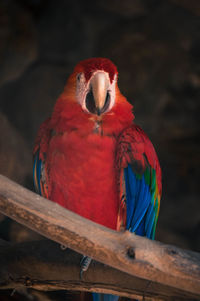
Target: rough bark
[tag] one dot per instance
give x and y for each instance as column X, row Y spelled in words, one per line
column 44, row 266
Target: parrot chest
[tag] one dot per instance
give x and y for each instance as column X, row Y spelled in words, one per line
column 83, row 176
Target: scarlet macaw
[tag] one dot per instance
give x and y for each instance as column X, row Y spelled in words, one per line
column 91, row 158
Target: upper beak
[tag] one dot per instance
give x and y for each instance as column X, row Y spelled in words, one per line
column 99, row 85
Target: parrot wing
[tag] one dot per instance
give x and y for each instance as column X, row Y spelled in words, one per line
column 140, row 182
column 40, row 176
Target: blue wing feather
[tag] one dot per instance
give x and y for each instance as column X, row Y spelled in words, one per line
column 138, row 198
column 37, row 175
column 37, row 172
column 39, row 165
column 131, row 190
column 150, row 224
column 34, row 172
column 149, row 216
column 140, row 202
column 141, row 228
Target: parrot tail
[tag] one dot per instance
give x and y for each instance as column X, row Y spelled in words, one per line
column 104, row 297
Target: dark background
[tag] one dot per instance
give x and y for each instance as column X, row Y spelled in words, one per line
column 156, row 47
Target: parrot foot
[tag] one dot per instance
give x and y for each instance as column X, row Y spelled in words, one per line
column 84, row 264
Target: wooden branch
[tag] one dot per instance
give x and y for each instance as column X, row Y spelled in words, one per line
column 161, row 264
column 43, row 265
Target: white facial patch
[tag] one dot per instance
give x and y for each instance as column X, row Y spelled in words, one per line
column 81, row 88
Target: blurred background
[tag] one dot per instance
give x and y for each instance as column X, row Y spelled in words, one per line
column 156, row 47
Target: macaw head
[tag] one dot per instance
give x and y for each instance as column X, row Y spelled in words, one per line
column 94, row 81
column 91, row 100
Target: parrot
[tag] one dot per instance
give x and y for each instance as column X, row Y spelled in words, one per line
column 91, row 158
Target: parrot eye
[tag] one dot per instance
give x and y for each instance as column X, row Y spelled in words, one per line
column 78, row 77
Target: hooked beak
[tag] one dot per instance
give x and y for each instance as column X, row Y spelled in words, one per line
column 99, row 86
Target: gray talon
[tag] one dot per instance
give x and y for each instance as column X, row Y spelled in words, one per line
column 84, row 264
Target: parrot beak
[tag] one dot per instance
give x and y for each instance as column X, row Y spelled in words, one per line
column 99, row 86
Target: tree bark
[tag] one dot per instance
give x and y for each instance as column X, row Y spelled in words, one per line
column 140, row 257
column 44, row 266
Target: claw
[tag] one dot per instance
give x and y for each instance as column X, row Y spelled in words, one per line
column 84, row 264
column 81, row 275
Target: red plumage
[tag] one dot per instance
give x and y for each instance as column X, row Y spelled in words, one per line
column 90, row 65
column 78, row 150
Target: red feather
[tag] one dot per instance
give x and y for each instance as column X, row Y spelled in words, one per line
column 90, row 65
column 81, row 164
